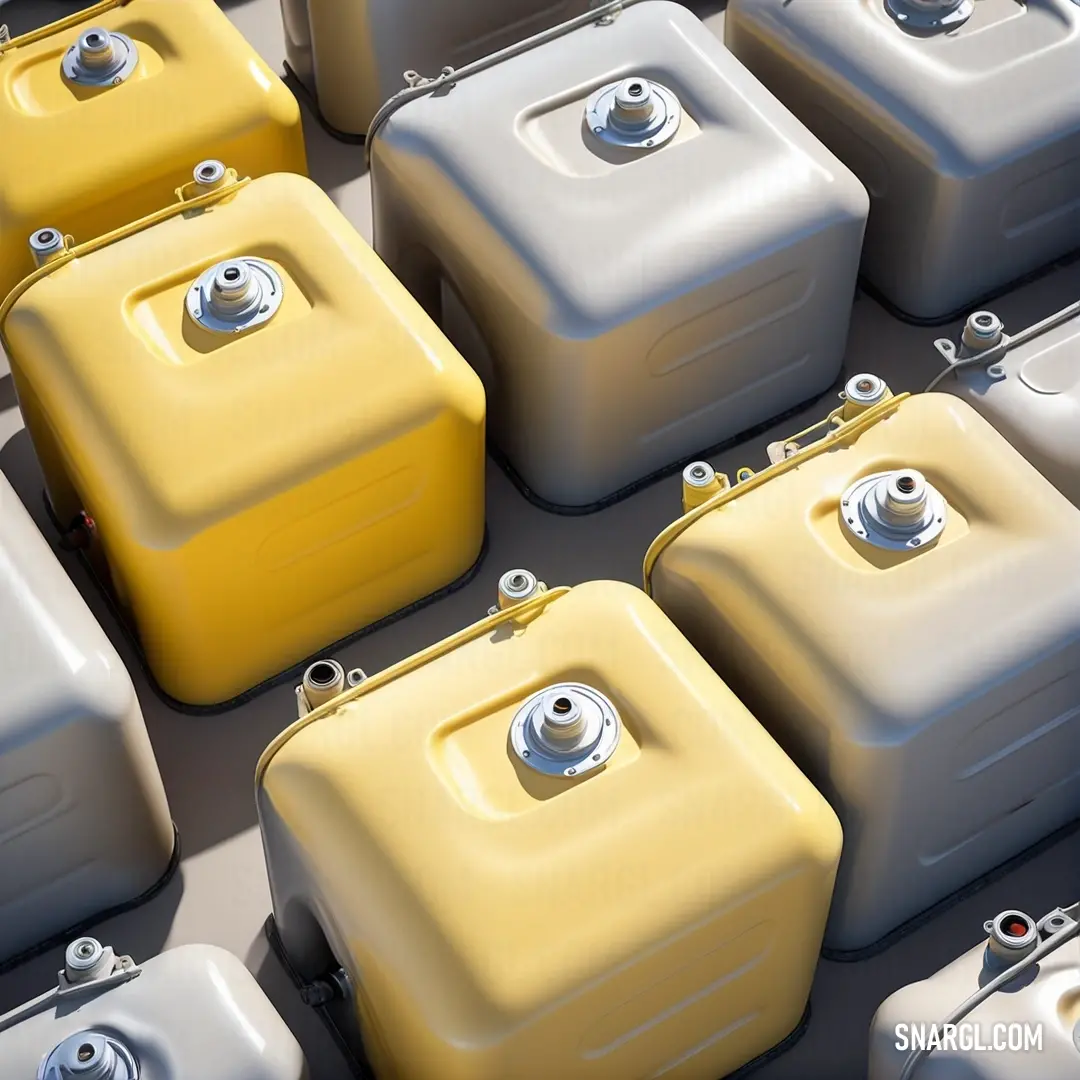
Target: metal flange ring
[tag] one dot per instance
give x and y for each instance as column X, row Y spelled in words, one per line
column 92, row 1055
column 565, row 730
column 634, row 114
column 931, row 14
column 100, row 58
column 235, row 295
column 895, row 511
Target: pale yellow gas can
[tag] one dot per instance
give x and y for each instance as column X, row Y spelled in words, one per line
column 554, row 845
column 264, row 440
column 104, row 110
column 898, row 602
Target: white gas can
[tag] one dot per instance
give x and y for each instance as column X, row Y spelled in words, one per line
column 354, row 56
column 1027, row 384
column 960, row 116
column 84, row 823
column 1007, row 1010
column 192, row 1013
column 654, row 253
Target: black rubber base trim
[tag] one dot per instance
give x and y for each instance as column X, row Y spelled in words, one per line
column 362, row 1070
column 294, row 671
column 962, row 313
column 950, row 901
column 667, row 471
column 774, row 1052
column 80, row 929
column 300, row 90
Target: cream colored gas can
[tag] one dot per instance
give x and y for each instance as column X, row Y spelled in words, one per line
column 84, row 823
column 553, row 845
column 1027, row 384
column 103, row 111
column 960, row 118
column 898, row 603
column 192, row 1013
column 354, row 56
column 957, row 1025
column 654, row 254
column 276, row 446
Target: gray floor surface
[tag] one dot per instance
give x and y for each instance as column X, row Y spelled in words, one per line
column 220, row 894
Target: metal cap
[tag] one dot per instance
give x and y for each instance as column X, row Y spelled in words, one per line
column 90, row 1055
column 931, row 14
column 865, row 389
column 235, row 295
column 634, row 113
column 982, row 331
column 516, row 586
column 209, row 174
column 46, row 242
column 698, row 474
column 1013, row 935
column 895, row 510
column 325, row 679
column 567, row 729
column 84, row 958
column 100, row 58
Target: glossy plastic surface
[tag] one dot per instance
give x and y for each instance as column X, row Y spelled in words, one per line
column 86, row 160
column 1045, row 1007
column 354, row 55
column 84, row 824
column 1034, row 402
column 966, row 138
column 625, row 308
column 931, row 694
column 661, row 915
column 193, row 1012
column 258, row 495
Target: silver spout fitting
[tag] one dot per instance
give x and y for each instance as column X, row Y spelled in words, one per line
column 700, row 483
column 865, row 390
column 633, row 105
column 322, row 682
column 209, row 174
column 90, row 1055
column 901, row 498
column 86, row 958
column 568, row 729
column 699, row 474
column 861, row 392
column 982, row 331
column 96, row 51
column 46, row 244
column 325, row 679
column 100, row 58
column 562, row 722
column 515, row 587
column 1013, row 935
column 634, row 113
column 896, row 510
column 233, row 290
column 235, row 295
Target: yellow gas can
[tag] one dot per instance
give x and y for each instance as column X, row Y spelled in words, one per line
column 898, row 603
column 552, row 846
column 267, row 441
column 104, row 110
